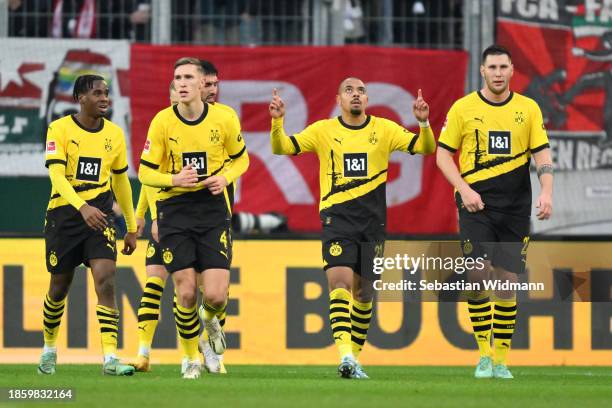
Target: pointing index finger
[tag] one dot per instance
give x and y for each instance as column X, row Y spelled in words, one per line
column 419, row 94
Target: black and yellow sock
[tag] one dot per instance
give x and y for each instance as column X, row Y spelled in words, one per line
column 188, row 327
column 52, row 317
column 222, row 315
column 109, row 324
column 361, row 314
column 480, row 315
column 340, row 320
column 504, row 318
column 148, row 313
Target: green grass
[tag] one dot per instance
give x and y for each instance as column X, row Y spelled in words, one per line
column 317, row 387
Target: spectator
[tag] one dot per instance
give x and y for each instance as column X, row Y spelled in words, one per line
column 29, row 18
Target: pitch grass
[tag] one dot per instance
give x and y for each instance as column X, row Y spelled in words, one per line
column 317, row 387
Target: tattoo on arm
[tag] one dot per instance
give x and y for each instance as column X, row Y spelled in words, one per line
column 545, row 169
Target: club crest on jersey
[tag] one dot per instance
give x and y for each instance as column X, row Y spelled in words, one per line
column 519, row 119
column 214, row 136
column 373, row 139
column 147, row 146
column 50, row 147
column 107, row 145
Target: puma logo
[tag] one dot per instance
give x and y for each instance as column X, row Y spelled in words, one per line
column 48, row 331
column 338, row 140
column 110, row 246
column 72, row 141
column 337, row 337
column 481, row 120
column 484, row 337
column 173, row 140
column 505, row 345
column 142, row 327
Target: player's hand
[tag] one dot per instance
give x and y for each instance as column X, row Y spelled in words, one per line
column 277, row 106
column 187, row 177
column 420, row 108
column 93, row 217
column 544, row 206
column 140, row 224
column 471, row 200
column 215, row 184
column 154, row 231
column 129, row 243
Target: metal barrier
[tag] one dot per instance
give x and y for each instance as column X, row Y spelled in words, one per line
column 422, row 24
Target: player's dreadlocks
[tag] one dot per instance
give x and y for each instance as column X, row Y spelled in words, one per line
column 83, row 84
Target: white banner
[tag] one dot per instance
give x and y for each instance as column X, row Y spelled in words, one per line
column 36, row 82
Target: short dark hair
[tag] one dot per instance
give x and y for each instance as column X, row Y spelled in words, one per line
column 83, row 84
column 495, row 50
column 188, row 61
column 209, row 68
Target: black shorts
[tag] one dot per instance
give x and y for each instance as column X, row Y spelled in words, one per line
column 71, row 245
column 499, row 237
column 352, row 243
column 153, row 254
column 194, row 231
column 209, row 250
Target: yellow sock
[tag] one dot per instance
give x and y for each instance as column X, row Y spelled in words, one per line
column 340, row 320
column 222, row 315
column 361, row 313
column 504, row 318
column 148, row 313
column 210, row 312
column 52, row 317
column 480, row 315
column 109, row 323
column 188, row 327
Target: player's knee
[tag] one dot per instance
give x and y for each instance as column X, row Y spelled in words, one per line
column 216, row 299
column 58, row 292
column 187, row 297
column 105, row 286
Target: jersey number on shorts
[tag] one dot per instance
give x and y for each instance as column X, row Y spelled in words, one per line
column 499, row 142
column 355, row 164
column 197, row 161
column 88, row 168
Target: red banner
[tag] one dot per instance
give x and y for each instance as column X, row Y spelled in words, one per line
column 418, row 196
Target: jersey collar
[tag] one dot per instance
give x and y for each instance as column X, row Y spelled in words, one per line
column 96, row 130
column 358, row 127
column 502, row 103
column 191, row 122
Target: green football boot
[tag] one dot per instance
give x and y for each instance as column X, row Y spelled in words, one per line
column 114, row 367
column 47, row 363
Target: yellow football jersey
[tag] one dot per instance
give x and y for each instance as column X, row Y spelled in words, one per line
column 353, row 160
column 174, row 142
column 90, row 156
column 496, row 141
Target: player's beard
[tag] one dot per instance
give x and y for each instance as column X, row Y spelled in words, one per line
column 496, row 91
column 355, row 111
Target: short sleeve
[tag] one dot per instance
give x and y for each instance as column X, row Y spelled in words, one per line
column 450, row 137
column 538, row 139
column 154, row 147
column 120, row 164
column 306, row 140
column 55, row 149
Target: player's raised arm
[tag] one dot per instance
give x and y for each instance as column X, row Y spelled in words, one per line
column 281, row 143
column 426, row 142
